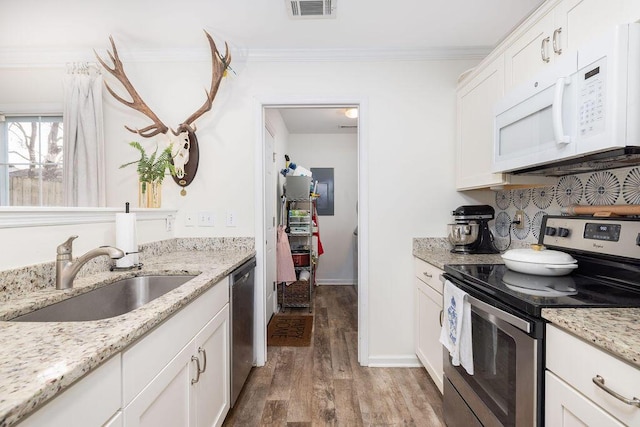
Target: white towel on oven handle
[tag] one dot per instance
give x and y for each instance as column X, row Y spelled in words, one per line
column 456, row 327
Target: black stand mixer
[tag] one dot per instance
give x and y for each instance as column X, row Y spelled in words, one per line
column 470, row 234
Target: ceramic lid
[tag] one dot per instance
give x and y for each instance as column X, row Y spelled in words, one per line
column 538, row 255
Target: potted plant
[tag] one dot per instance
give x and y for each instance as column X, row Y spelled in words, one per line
column 151, row 172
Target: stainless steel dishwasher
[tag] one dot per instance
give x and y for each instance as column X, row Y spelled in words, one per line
column 242, row 318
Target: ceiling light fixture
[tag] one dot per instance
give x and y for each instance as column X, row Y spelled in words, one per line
column 352, row 113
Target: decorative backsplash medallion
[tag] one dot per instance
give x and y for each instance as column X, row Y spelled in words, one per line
column 605, row 187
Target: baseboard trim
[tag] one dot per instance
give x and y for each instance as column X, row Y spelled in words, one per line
column 408, row 361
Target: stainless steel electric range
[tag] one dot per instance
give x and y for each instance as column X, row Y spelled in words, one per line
column 508, row 330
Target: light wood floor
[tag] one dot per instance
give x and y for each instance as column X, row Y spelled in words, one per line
column 323, row 385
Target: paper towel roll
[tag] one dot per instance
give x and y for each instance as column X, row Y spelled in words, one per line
column 126, row 239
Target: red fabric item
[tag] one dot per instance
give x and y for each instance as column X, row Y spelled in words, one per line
column 314, row 218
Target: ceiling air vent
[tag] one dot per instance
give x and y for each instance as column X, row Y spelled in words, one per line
column 311, row 8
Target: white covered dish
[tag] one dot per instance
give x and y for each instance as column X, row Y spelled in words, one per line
column 540, row 261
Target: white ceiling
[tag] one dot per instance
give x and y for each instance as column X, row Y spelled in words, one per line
column 73, row 28
column 259, row 24
column 318, row 120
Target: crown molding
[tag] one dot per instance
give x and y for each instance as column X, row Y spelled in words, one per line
column 53, row 58
column 406, row 54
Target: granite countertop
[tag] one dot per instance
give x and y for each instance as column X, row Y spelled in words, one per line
column 437, row 252
column 616, row 330
column 39, row 360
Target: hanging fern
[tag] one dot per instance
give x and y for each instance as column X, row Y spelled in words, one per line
column 152, row 168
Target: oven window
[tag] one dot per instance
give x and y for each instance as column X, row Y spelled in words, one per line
column 494, row 365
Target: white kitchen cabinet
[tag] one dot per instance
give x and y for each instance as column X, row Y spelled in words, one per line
column 180, row 373
column 559, row 31
column 571, row 396
column 534, row 50
column 565, row 407
column 213, row 388
column 474, row 149
column 92, row 401
column 193, row 389
column 516, row 60
column 476, row 99
column 155, row 382
column 428, row 319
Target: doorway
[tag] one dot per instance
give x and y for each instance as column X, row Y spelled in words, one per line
column 270, row 129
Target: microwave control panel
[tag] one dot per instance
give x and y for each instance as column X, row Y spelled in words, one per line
column 591, row 102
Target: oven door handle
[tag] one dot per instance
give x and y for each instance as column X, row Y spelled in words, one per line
column 515, row 321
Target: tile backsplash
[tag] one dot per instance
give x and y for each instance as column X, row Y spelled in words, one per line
column 605, row 187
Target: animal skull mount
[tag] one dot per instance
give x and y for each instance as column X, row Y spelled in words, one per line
column 186, row 152
column 180, row 153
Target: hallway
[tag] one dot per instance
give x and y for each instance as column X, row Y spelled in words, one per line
column 323, row 384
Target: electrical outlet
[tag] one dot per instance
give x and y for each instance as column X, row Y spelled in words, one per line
column 519, row 219
column 190, row 219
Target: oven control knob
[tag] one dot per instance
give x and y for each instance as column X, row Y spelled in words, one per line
column 563, row 232
column 550, row 231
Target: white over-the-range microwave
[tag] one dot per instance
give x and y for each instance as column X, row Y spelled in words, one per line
column 585, row 108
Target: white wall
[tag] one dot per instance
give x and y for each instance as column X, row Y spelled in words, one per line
column 338, row 151
column 410, row 147
column 35, row 245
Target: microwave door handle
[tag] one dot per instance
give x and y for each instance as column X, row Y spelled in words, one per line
column 556, row 112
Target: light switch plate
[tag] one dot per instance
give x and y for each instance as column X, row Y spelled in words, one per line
column 169, row 223
column 205, row 219
column 231, row 218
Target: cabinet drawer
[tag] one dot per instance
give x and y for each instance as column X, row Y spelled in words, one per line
column 565, row 407
column 148, row 356
column 429, row 274
column 91, row 401
column 578, row 362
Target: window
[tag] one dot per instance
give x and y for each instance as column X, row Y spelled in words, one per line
column 31, row 161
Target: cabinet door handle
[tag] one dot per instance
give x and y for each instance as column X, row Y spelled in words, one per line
column 429, row 275
column 599, row 381
column 204, row 356
column 556, row 41
column 543, row 49
column 198, row 372
column 441, row 317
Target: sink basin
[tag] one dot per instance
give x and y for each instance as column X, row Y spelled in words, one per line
column 107, row 301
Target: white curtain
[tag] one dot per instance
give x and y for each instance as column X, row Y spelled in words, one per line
column 84, row 174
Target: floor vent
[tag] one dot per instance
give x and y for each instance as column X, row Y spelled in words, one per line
column 311, row 8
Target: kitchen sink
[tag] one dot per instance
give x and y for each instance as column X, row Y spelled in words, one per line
column 107, row 301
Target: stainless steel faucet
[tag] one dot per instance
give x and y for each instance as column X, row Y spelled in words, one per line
column 66, row 268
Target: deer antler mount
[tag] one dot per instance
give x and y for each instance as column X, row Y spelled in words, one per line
column 186, row 151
